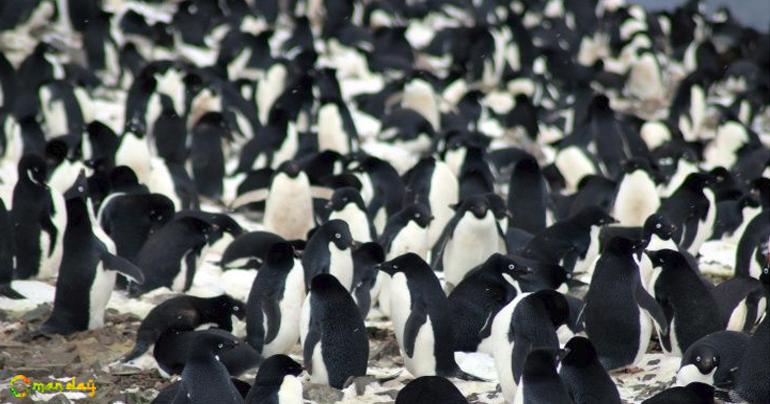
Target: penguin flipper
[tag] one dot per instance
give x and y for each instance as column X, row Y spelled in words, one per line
column 311, row 339
column 271, row 310
column 689, row 232
column 122, row 266
column 437, row 253
column 417, row 317
column 7, row 291
column 652, row 308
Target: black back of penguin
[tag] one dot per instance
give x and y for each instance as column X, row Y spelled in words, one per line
column 751, row 380
column 130, row 219
column 613, row 306
column 584, row 376
column 207, row 154
column 693, row 393
column 540, row 382
column 335, row 323
column 527, row 195
column 430, row 389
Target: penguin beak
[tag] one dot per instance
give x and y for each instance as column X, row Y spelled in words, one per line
column 354, row 244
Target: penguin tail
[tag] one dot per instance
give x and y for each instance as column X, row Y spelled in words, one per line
column 139, row 349
column 462, row 375
column 7, row 291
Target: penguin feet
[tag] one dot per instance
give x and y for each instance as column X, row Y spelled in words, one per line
column 7, row 291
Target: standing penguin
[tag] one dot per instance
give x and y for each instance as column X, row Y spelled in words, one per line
column 6, row 255
column 333, row 334
column 275, row 302
column 207, row 155
column 204, row 378
column 39, row 218
column 527, row 196
column 170, row 256
column 421, row 318
column 432, row 182
column 540, row 383
column 690, row 309
column 637, row 197
column 88, row 269
column 754, row 372
column 480, row 296
column 366, row 258
column 288, row 201
column 336, row 128
column 328, row 251
column 430, row 389
column 277, row 381
column 130, row 219
column 618, row 308
column 586, row 380
column 529, row 321
column 467, row 241
column 692, row 209
column 346, row 204
column 713, row 359
column 742, row 302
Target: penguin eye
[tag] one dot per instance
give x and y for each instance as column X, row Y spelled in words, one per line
column 220, row 346
column 337, row 235
column 697, row 358
column 416, row 215
column 658, row 226
column 715, row 359
column 235, row 308
column 511, row 266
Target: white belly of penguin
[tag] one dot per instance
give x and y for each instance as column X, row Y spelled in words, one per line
column 357, row 221
column 637, row 199
column 98, row 295
column 444, row 191
column 690, row 374
column 290, row 391
column 645, row 332
column 738, row 317
column 320, row 374
column 341, row 265
column 291, row 312
column 472, row 243
column 501, row 349
column 289, row 207
column 423, row 363
column 411, row 238
column 180, row 279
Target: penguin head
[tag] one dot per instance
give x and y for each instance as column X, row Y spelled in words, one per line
column 33, row 167
column 275, row 368
column 213, row 340
column 703, row 356
column 697, row 181
column 228, row 304
column 554, row 303
column 122, row 178
column 580, row 353
column 592, row 216
column 401, row 263
column 507, row 266
column 56, row 150
column 369, row 253
column 344, row 196
column 658, row 225
column 419, row 213
column 476, row 204
column 280, row 256
column 498, row 206
column 326, row 285
column 620, row 246
column 290, row 168
column 667, row 259
column 337, row 231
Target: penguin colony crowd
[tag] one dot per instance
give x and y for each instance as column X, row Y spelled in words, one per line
column 529, row 179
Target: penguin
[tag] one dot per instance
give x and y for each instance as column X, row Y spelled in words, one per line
column 333, row 335
column 637, row 196
column 6, row 255
column 432, row 182
column 430, row 388
column 645, row 79
column 692, row 209
column 185, row 313
column 690, row 309
column 39, row 219
column 480, row 296
column 748, row 256
column 693, row 393
column 366, row 257
column 277, row 381
column 288, row 205
column 383, row 189
column 172, row 349
column 167, row 395
column 468, row 239
column 329, row 250
column 249, row 250
column 421, row 318
column 130, row 219
column 88, row 268
column 336, row 128
column 529, row 321
column 347, row 205
column 527, row 196
column 754, row 370
column 170, row 256
column 572, row 243
column 584, row 376
column 207, row 155
column 540, row 382
column 713, row 359
column 619, row 312
column 742, row 302
column 275, row 302
column 204, row 378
